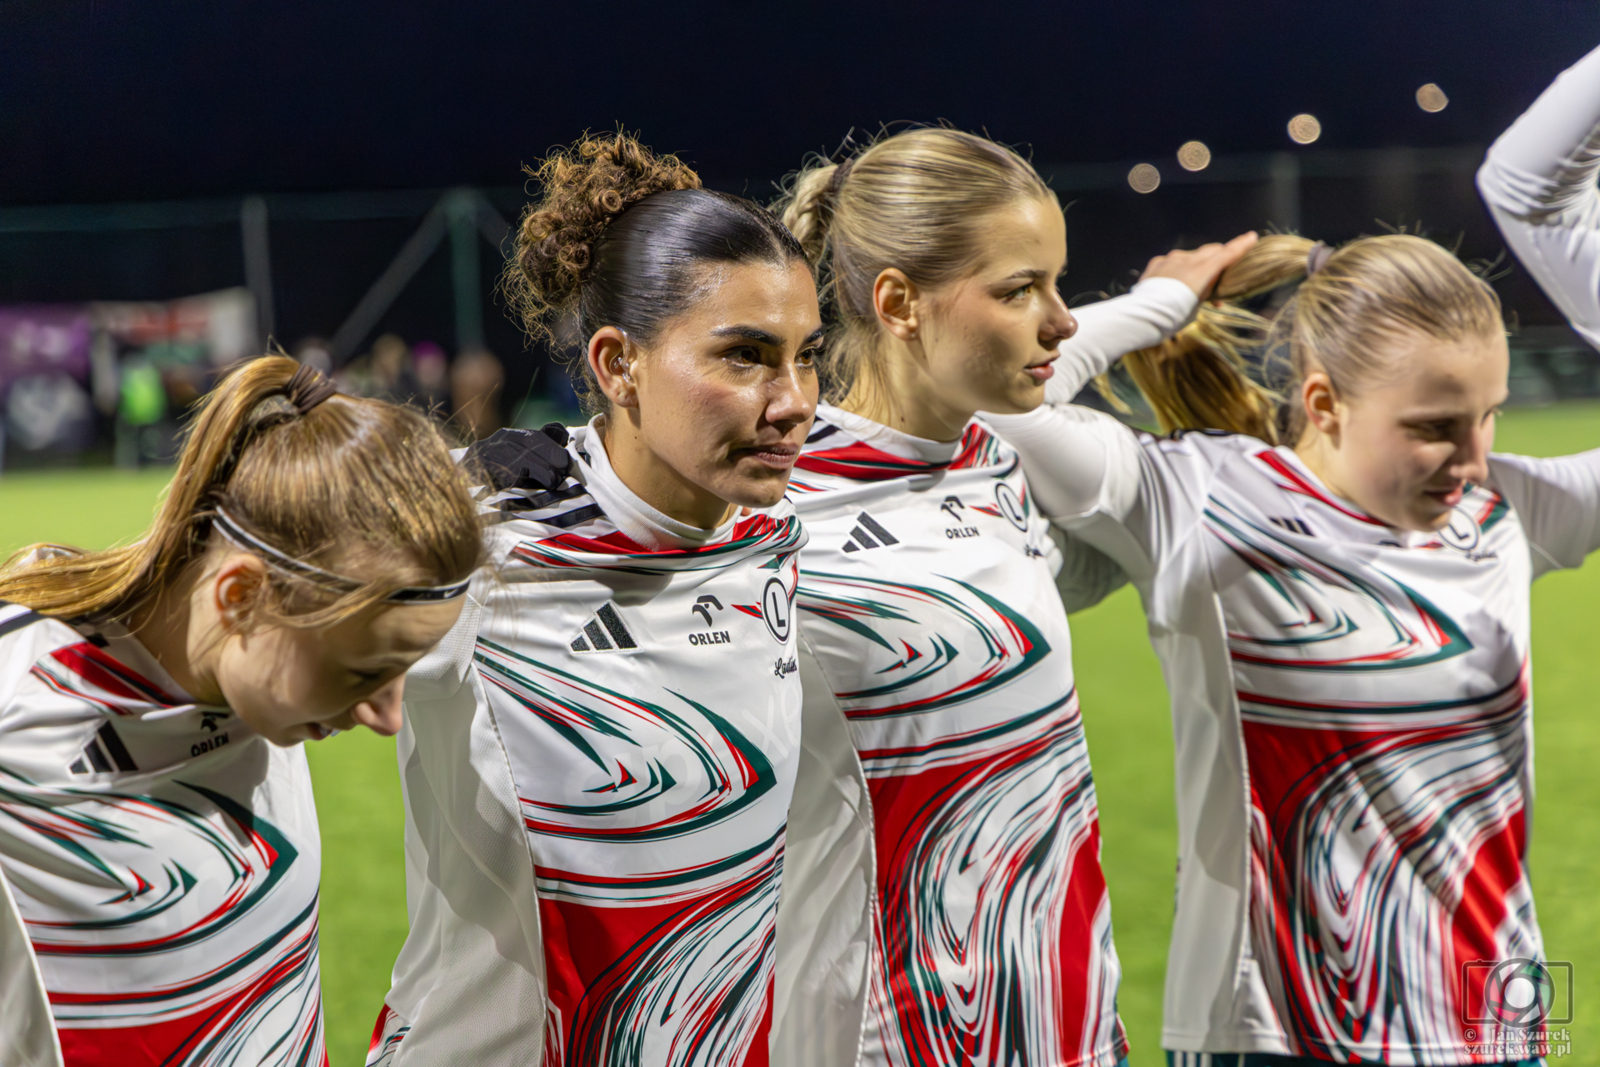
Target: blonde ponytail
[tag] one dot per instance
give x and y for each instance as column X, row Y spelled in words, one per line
column 1341, row 320
column 1198, row 378
column 808, row 209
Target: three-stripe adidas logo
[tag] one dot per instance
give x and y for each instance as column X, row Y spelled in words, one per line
column 867, row 528
column 104, row 753
column 606, row 632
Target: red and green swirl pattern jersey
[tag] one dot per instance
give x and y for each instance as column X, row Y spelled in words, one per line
column 163, row 857
column 1353, row 720
column 928, row 605
column 644, row 700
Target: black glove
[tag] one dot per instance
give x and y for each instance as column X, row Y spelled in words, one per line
column 523, row 459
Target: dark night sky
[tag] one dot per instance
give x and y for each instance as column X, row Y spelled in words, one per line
column 115, row 100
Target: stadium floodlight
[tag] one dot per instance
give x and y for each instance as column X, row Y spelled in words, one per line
column 1431, row 98
column 1304, row 128
column 1144, row 178
column 1194, row 155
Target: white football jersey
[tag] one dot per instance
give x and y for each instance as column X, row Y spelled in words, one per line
column 164, row 859
column 958, row 810
column 1354, row 734
column 595, row 826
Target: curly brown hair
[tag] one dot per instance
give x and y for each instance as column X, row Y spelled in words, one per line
column 586, row 186
column 621, row 237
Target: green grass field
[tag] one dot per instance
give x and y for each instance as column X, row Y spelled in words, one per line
column 1130, row 737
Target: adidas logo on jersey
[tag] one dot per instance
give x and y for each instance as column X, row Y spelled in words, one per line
column 869, row 533
column 1294, row 526
column 104, row 753
column 606, row 632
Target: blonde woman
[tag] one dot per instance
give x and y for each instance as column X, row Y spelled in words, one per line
column 1342, row 619
column 157, row 829
column 943, row 898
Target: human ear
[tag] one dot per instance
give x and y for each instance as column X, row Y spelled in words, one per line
column 612, row 364
column 1321, row 401
column 236, row 588
column 382, row 711
column 895, row 299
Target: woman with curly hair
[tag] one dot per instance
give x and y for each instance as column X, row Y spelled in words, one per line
column 600, row 757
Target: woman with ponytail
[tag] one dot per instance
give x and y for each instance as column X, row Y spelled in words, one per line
column 1338, row 594
column 943, row 900
column 598, row 761
column 157, row 830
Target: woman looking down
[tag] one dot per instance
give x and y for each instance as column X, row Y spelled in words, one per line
column 157, row 827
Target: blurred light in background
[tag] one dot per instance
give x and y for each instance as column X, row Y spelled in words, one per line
column 1144, row 178
column 1194, row 155
column 1431, row 98
column 1303, row 129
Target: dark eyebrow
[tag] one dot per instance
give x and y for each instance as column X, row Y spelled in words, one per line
column 750, row 333
column 814, row 335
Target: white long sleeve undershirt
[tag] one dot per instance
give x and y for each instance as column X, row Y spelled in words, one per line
column 1151, row 312
column 1539, row 184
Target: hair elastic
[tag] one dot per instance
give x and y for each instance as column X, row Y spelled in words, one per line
column 224, row 524
column 308, row 388
column 1317, row 258
column 840, row 173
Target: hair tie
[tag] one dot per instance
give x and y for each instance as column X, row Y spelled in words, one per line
column 308, row 388
column 1317, row 258
column 840, row 173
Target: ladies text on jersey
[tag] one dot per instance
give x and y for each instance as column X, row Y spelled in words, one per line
column 936, row 643
column 1353, row 724
column 163, row 857
column 634, row 727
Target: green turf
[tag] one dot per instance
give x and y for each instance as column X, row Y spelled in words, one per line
column 1130, row 738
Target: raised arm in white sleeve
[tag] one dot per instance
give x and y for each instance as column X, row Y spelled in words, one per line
column 1151, row 312
column 1539, row 183
column 1558, row 501
column 1079, row 460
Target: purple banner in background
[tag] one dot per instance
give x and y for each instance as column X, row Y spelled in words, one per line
column 44, row 339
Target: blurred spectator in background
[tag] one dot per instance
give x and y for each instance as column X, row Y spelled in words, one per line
column 142, row 429
column 476, row 379
column 432, row 369
column 392, row 375
column 384, row 373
